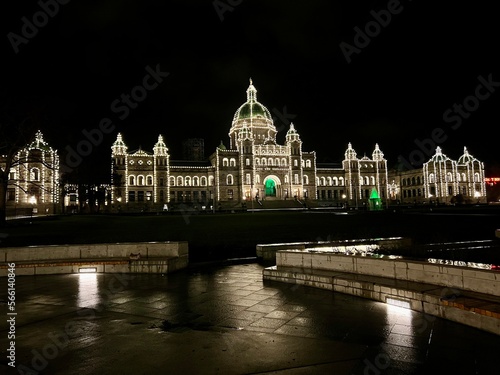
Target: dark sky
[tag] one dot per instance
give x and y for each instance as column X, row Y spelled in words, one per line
column 394, row 90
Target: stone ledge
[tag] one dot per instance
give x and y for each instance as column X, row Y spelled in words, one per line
column 156, row 257
column 477, row 309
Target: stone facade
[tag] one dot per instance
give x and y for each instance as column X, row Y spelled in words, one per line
column 255, row 168
column 33, row 180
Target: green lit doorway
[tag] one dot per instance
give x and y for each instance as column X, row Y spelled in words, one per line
column 270, row 188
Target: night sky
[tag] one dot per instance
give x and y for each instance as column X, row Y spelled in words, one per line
column 414, row 78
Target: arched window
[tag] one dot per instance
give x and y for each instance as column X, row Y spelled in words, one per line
column 476, row 177
column 418, row 181
column 335, row 181
column 35, row 174
column 232, row 162
column 463, row 177
column 329, row 181
column 287, row 180
column 180, row 181
column 225, row 162
column 277, row 162
column 257, row 161
column 372, row 180
column 257, row 179
column 308, row 164
column 188, row 181
column 203, row 181
column 149, row 180
column 229, row 179
column 211, row 180
column 367, row 180
column 283, row 162
column 449, row 177
column 140, row 180
column 264, row 162
column 431, row 178
column 341, row 181
column 323, row 181
column 270, row 162
column 306, row 180
column 131, row 180
column 196, row 181
column 171, row 181
column 318, row 182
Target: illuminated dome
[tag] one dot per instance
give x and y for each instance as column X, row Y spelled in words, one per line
column 377, row 153
column 252, row 109
column 39, row 143
column 255, row 118
column 439, row 156
column 466, row 158
column 350, row 154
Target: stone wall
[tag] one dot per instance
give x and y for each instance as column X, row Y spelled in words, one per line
column 155, row 257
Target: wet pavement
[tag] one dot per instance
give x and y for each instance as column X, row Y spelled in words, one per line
column 225, row 320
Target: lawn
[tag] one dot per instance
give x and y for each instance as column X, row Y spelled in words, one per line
column 222, row 236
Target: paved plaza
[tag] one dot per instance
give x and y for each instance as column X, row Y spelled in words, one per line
column 224, row 319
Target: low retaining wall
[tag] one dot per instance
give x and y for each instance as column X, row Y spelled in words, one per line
column 155, row 257
column 465, row 295
column 267, row 252
column 465, row 278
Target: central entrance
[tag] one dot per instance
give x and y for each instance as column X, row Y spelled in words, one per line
column 270, row 188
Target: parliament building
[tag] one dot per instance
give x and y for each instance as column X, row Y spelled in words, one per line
column 255, row 170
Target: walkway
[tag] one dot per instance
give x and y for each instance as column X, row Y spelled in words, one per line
column 227, row 320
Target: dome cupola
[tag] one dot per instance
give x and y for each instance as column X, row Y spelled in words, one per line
column 253, row 118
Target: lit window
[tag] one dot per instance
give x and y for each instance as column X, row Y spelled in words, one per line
column 35, row 174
